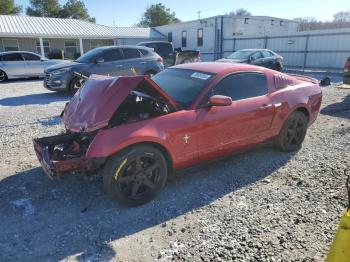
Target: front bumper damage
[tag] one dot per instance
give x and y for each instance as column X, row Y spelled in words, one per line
column 56, row 161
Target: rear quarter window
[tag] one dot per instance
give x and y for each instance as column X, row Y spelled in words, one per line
column 130, row 53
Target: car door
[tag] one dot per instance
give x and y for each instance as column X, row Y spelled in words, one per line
column 109, row 62
column 257, row 59
column 133, row 62
column 269, row 59
column 35, row 66
column 14, row 65
column 247, row 121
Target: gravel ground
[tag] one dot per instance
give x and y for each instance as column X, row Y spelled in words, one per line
column 262, row 205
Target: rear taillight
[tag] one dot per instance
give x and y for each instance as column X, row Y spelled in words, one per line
column 160, row 59
column 347, row 66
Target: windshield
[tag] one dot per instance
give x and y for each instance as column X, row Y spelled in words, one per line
column 182, row 85
column 89, row 56
column 240, row 55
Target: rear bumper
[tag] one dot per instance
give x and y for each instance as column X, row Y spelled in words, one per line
column 53, row 167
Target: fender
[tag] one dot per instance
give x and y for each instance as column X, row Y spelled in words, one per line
column 110, row 141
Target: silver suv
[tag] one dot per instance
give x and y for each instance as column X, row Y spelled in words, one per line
column 21, row 64
column 108, row 60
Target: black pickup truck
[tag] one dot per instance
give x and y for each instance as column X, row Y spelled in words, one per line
column 170, row 55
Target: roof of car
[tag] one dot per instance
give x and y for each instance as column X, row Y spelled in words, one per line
column 17, row 52
column 217, row 67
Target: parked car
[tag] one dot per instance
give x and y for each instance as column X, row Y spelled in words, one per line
column 108, row 60
column 259, row 57
column 170, row 55
column 346, row 76
column 21, row 64
column 138, row 130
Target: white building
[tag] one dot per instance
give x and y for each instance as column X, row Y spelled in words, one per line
column 213, row 35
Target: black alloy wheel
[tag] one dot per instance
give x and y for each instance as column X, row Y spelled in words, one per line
column 293, row 132
column 135, row 176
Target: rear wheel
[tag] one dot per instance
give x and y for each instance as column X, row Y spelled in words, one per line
column 3, row 76
column 293, row 132
column 75, row 84
column 278, row 67
column 136, row 175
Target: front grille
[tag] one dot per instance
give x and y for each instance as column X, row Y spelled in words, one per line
column 47, row 79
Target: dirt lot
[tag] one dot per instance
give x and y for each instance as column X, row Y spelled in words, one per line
column 262, row 205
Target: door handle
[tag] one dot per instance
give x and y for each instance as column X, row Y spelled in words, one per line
column 119, row 66
column 143, row 62
column 265, row 106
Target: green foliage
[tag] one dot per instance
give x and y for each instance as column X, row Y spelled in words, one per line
column 74, row 9
column 45, row 8
column 8, row 7
column 240, row 12
column 156, row 15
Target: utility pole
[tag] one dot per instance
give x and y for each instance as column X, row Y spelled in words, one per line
column 199, row 14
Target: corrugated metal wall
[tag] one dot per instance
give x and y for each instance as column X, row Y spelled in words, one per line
column 318, row 49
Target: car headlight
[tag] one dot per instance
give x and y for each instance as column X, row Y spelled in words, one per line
column 61, row 71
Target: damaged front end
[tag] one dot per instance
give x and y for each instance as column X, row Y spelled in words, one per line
column 103, row 103
column 65, row 153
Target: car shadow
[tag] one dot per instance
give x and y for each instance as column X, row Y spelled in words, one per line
column 340, row 109
column 34, row 99
column 44, row 219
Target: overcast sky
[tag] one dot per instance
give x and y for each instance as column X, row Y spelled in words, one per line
column 128, row 13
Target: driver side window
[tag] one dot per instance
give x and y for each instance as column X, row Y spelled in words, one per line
column 257, row 55
column 241, row 86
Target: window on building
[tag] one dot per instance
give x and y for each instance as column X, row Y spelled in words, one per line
column 170, row 37
column 246, row 20
column 272, row 22
column 30, row 57
column 95, row 43
column 46, row 44
column 184, row 38
column 70, row 48
column 10, row 44
column 200, row 37
column 242, row 86
column 130, row 53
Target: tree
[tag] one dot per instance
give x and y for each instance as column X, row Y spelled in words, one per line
column 157, row 15
column 240, row 12
column 45, row 8
column 76, row 9
column 8, row 7
column 343, row 16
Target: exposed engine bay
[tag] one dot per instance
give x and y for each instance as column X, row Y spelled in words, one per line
column 139, row 106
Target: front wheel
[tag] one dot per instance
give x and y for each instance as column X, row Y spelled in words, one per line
column 293, row 132
column 75, row 84
column 136, row 175
column 3, row 76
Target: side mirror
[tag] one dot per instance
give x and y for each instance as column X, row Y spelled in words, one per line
column 99, row 60
column 219, row 100
column 42, row 59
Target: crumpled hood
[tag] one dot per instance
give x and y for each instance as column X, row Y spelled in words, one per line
column 92, row 106
column 232, row 60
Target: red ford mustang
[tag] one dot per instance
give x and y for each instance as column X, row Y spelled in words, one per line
column 136, row 130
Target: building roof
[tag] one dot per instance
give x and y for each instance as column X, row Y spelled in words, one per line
column 27, row 26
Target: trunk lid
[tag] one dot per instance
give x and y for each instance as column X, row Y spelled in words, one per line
column 92, row 106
